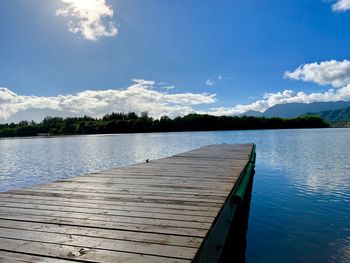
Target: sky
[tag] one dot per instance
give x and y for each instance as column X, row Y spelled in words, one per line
column 170, row 57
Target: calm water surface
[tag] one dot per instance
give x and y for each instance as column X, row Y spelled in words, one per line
column 300, row 206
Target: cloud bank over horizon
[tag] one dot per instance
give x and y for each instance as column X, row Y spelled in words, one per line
column 156, row 99
column 88, row 18
column 141, row 96
column 332, row 72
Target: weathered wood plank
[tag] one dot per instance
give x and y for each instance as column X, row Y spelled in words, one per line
column 108, row 218
column 175, row 177
column 80, row 253
column 14, row 201
column 181, row 183
column 101, row 211
column 140, row 199
column 134, row 189
column 104, row 233
column 139, row 190
column 126, row 196
column 72, row 199
column 99, row 243
column 192, row 232
column 12, row 257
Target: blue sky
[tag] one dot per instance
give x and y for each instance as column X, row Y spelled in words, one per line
column 170, row 57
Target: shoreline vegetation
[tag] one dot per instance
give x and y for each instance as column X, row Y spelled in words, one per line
column 134, row 123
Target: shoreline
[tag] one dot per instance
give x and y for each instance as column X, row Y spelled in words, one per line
column 160, row 132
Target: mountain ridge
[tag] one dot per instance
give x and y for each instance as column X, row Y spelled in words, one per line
column 293, row 110
column 332, row 115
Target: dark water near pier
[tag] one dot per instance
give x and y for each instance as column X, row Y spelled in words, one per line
column 300, row 209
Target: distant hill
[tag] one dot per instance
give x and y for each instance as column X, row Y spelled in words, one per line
column 252, row 113
column 333, row 115
column 292, row 110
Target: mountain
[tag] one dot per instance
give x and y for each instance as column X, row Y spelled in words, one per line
column 251, row 113
column 333, row 115
column 292, row 110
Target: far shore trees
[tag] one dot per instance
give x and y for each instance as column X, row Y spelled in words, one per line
column 133, row 123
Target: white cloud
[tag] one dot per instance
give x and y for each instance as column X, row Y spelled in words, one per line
column 335, row 73
column 209, row 82
column 169, row 87
column 144, row 82
column 141, row 96
column 222, row 78
column 85, row 18
column 341, row 5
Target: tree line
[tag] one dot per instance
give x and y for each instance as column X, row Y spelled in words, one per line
column 132, row 123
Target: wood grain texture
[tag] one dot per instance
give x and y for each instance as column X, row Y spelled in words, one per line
column 159, row 211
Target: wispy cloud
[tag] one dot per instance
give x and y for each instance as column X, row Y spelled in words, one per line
column 213, row 81
column 169, row 87
column 140, row 96
column 209, row 82
column 341, row 5
column 85, row 18
column 222, row 78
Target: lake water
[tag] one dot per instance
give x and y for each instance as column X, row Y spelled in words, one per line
column 300, row 208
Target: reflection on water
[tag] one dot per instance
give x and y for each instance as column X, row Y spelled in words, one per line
column 301, row 196
column 341, row 250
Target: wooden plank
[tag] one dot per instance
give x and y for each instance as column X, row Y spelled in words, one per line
column 113, row 185
column 144, row 248
column 108, row 218
column 126, row 196
column 180, row 231
column 80, row 253
column 198, row 187
column 104, row 233
column 174, row 176
column 14, row 201
column 12, row 257
column 138, row 190
column 158, row 211
column 134, row 188
column 98, row 211
column 169, row 168
column 139, row 199
column 176, row 207
column 181, row 183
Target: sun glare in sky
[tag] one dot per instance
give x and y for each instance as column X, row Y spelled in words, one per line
column 83, row 4
column 85, row 18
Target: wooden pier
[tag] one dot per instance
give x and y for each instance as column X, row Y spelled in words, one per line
column 176, row 209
